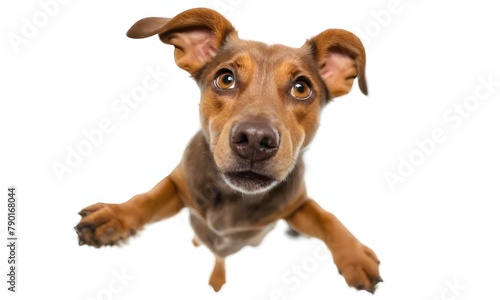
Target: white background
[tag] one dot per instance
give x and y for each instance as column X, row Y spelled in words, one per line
column 438, row 228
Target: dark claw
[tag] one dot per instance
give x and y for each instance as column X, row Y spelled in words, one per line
column 92, row 225
column 83, row 213
column 377, row 280
column 362, row 287
column 84, row 226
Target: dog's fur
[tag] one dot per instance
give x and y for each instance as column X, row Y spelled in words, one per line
column 260, row 107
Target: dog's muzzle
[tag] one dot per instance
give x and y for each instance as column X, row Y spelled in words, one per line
column 254, row 143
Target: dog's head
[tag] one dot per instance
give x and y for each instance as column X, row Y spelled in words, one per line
column 260, row 104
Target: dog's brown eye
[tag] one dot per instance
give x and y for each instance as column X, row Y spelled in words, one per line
column 225, row 81
column 301, row 90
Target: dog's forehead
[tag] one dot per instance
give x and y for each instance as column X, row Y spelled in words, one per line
column 254, row 56
column 264, row 54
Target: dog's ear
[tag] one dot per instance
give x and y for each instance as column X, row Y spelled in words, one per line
column 196, row 34
column 340, row 57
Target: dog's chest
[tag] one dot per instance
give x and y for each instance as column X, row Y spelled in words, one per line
column 231, row 216
column 233, row 212
column 229, row 222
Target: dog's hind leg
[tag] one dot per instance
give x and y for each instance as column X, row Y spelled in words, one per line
column 218, row 277
column 196, row 242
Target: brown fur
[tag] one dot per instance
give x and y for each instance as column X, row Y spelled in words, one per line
column 229, row 213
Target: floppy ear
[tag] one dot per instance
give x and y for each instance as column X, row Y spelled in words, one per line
column 340, row 57
column 196, row 34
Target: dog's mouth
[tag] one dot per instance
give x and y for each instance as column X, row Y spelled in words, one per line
column 249, row 181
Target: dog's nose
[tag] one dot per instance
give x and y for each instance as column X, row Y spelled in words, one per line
column 254, row 140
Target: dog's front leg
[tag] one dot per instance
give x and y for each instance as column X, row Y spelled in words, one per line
column 109, row 224
column 356, row 262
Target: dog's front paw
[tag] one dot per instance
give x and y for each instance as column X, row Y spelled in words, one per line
column 359, row 265
column 106, row 225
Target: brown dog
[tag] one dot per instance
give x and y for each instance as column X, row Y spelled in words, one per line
column 260, row 107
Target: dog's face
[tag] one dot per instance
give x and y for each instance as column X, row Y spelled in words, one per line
column 260, row 104
column 260, row 107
